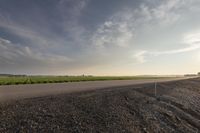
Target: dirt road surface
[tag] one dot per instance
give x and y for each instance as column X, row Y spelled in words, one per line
column 130, row 109
column 13, row 92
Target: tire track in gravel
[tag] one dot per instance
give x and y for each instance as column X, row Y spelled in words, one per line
column 189, row 116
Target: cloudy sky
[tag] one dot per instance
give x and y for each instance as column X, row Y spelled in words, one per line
column 99, row 37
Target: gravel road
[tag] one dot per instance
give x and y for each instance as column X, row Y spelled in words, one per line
column 130, row 109
column 13, row 92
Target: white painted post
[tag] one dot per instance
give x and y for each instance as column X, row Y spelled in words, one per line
column 155, row 89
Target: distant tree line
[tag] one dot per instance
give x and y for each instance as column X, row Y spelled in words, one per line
column 12, row 75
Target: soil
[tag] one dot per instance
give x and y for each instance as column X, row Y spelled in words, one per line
column 174, row 108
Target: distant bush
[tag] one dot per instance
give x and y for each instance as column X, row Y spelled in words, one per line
column 8, row 83
column 45, row 82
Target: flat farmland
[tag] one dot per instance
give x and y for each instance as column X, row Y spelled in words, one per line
column 134, row 108
column 15, row 80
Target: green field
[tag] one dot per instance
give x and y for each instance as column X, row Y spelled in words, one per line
column 14, row 80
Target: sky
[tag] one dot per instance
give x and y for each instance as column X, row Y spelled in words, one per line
column 99, row 37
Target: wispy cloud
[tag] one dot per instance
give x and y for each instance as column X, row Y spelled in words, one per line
column 121, row 27
column 13, row 56
column 176, row 51
column 70, row 12
column 38, row 34
column 32, row 35
column 113, row 33
column 191, row 41
column 140, row 56
column 65, row 34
